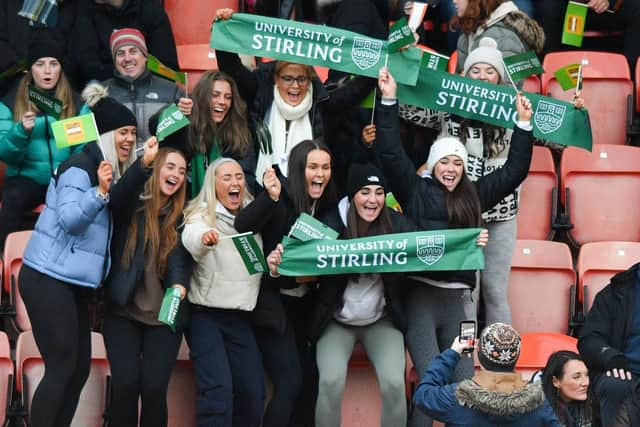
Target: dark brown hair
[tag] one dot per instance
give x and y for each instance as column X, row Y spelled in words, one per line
column 463, row 205
column 476, row 14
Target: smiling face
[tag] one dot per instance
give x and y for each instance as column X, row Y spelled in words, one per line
column 221, row 99
column 317, row 173
column 448, row 171
column 574, row 382
column 172, row 174
column 46, row 73
column 293, row 82
column 124, row 138
column 230, row 186
column 130, row 61
column 484, row 72
column 369, row 202
column 461, row 6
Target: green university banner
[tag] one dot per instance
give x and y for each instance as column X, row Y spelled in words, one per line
column 313, row 45
column 402, row 252
column 553, row 120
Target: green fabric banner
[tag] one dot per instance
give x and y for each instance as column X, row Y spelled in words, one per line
column 523, row 65
column 436, row 250
column 553, row 120
column 49, row 104
column 307, row 227
column 400, row 35
column 434, row 61
column 313, row 45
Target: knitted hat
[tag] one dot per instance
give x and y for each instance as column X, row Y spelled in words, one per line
column 486, row 53
column 43, row 43
column 109, row 113
column 499, row 347
column 362, row 174
column 443, row 147
column 127, row 36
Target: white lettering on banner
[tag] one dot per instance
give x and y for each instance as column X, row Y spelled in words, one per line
column 375, row 259
column 476, row 107
column 297, row 48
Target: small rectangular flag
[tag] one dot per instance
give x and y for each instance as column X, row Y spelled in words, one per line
column 400, row 35
column 416, row 17
column 48, row 104
column 390, row 201
column 13, row 70
column 567, row 76
column 169, row 308
column 75, row 130
column 434, row 61
column 250, row 252
column 523, row 65
column 307, row 228
column 171, row 120
column 154, row 64
column 574, row 20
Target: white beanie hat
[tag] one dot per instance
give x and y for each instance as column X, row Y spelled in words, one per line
column 486, row 53
column 443, row 147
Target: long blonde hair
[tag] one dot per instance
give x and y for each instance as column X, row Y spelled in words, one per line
column 63, row 92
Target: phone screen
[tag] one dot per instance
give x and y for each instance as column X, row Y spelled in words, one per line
column 467, row 332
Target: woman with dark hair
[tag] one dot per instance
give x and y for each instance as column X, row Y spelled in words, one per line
column 284, row 304
column 444, row 198
column 148, row 259
column 218, row 128
column 565, row 381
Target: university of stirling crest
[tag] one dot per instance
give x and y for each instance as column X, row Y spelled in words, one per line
column 548, row 116
column 365, row 53
column 430, row 249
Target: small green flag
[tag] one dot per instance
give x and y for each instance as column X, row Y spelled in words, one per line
column 400, row 35
column 434, row 61
column 567, row 76
column 574, row 20
column 391, row 202
column 250, row 252
column 171, row 120
column 154, row 64
column 13, row 70
column 50, row 105
column 307, row 228
column 75, row 130
column 523, row 65
column 169, row 308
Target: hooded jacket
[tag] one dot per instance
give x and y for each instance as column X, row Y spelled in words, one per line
column 489, row 399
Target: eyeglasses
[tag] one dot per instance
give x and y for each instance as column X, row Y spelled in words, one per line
column 288, row 80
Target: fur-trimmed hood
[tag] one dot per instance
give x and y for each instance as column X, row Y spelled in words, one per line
column 527, row 28
column 501, row 395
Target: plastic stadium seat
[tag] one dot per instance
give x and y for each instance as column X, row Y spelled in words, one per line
column 538, row 205
column 182, row 392
column 541, row 286
column 536, row 348
column 13, row 250
column 6, row 376
column 598, row 262
column 361, row 401
column 94, row 396
column 637, row 80
column 607, row 90
column 599, row 190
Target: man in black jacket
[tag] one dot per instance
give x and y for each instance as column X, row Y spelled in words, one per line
column 610, row 341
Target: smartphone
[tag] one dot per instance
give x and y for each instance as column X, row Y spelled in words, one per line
column 467, row 332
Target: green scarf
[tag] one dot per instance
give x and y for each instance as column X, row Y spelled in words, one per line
column 199, row 165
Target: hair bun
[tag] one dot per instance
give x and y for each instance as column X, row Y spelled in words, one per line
column 93, row 93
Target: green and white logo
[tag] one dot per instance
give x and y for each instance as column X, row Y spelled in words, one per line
column 430, row 249
column 177, row 115
column 549, row 116
column 366, row 52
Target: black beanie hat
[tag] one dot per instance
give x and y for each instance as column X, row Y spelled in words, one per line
column 43, row 43
column 362, row 174
column 109, row 113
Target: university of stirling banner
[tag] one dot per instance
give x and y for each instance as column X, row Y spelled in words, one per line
column 553, row 120
column 402, row 252
column 313, row 45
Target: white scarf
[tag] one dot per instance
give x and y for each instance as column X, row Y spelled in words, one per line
column 281, row 142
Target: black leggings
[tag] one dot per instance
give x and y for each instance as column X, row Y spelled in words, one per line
column 60, row 320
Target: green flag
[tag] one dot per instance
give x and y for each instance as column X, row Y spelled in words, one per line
column 169, row 308
column 437, row 250
column 392, row 202
column 307, row 227
column 75, row 130
column 250, row 252
column 574, row 19
column 523, row 65
column 171, row 120
column 434, row 61
column 49, row 104
column 154, row 65
column 13, row 70
column 567, row 76
column 553, row 120
column 400, row 35
column 313, row 45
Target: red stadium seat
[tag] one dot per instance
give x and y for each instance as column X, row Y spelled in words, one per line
column 13, row 249
column 607, row 90
column 600, row 194
column 6, row 376
column 637, row 79
column 538, row 205
column 536, row 348
column 541, row 286
column 182, row 392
